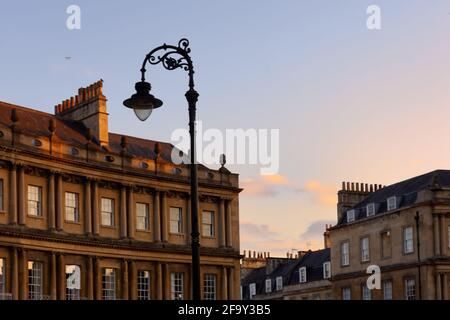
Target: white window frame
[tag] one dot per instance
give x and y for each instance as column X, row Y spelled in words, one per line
column 107, row 214
column 73, row 275
column 279, row 283
column 177, row 285
column 366, row 293
column 109, row 283
column 72, row 206
column 302, row 274
column 143, row 285
column 35, row 280
column 387, row 289
column 351, row 215
column 142, row 218
column 327, row 270
column 34, row 196
column 268, row 283
column 176, row 225
column 252, row 290
column 391, row 203
column 370, row 209
column 410, row 289
column 208, row 224
column 408, row 240
column 346, row 293
column 365, row 249
column 345, row 253
column 210, row 286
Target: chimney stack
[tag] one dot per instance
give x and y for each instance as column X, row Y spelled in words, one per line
column 353, row 193
column 326, row 237
column 89, row 108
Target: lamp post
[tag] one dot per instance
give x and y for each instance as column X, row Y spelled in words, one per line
column 142, row 102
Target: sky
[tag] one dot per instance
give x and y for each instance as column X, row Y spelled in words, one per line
column 351, row 104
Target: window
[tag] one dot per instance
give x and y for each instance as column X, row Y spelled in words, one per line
column 252, row 289
column 107, row 212
column 1, row 195
column 73, row 282
column 408, row 240
column 365, row 292
column 350, row 215
column 327, row 270
column 175, row 220
column 34, row 201
column 2, row 277
column 72, row 207
column 302, row 274
column 34, row 280
column 208, row 224
column 142, row 216
column 268, row 285
column 365, row 249
column 279, row 282
column 370, row 209
column 346, row 293
column 386, row 247
column 176, row 284
column 345, row 254
column 410, row 289
column 387, row 290
column 143, row 285
column 392, row 203
column 209, row 287
column 108, row 284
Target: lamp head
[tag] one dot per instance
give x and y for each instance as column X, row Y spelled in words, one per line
column 142, row 102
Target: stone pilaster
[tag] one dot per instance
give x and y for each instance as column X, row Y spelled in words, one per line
column 156, row 217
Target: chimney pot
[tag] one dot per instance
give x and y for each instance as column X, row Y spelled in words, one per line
column 348, row 186
column 343, row 186
column 357, row 186
column 353, row 186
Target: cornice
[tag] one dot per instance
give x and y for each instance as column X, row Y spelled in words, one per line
column 101, row 242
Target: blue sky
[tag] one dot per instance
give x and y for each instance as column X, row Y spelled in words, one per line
column 351, row 104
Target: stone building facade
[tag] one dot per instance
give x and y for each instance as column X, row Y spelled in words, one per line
column 90, row 214
column 404, row 229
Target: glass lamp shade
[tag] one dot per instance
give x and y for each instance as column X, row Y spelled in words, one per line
column 143, row 114
column 142, row 102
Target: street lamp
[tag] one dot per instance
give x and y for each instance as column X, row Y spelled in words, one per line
column 143, row 103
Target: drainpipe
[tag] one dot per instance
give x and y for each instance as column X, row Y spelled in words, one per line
column 418, row 254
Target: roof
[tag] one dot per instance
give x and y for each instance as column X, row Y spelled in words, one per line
column 289, row 270
column 313, row 262
column 405, row 192
column 36, row 123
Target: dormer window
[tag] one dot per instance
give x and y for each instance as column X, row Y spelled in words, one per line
column 370, row 209
column 327, row 270
column 392, row 203
column 268, row 285
column 143, row 165
column 74, row 151
column 252, row 289
column 36, row 143
column 302, row 274
column 176, row 171
column 279, row 283
column 350, row 215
